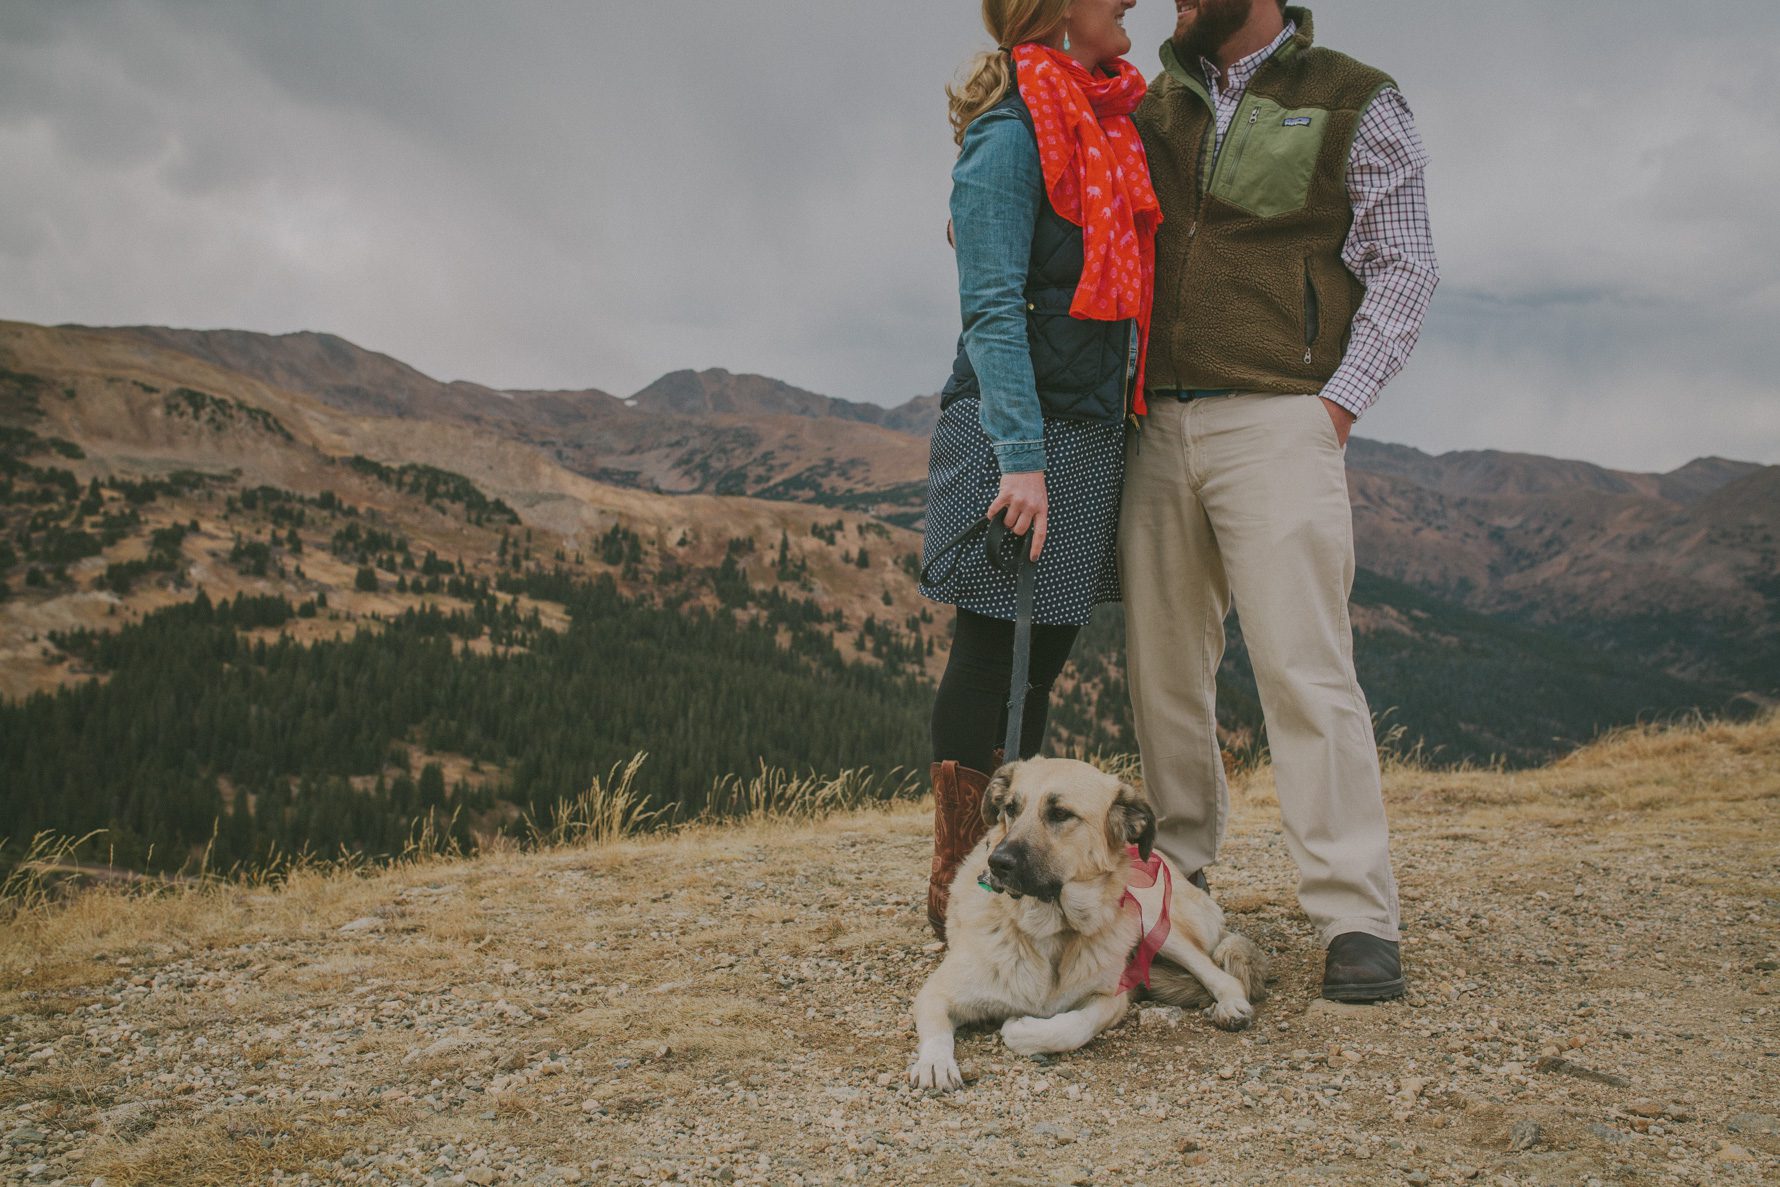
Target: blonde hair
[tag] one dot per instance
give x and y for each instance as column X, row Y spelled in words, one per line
column 987, row 77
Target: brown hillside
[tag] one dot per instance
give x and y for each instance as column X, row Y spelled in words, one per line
column 114, row 396
column 1606, row 555
column 717, row 390
column 327, row 367
column 703, row 432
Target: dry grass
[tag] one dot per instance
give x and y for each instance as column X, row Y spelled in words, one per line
column 42, row 880
column 1697, row 771
column 248, row 1146
column 30, row 885
column 691, row 1026
column 774, row 794
column 1693, row 771
column 610, row 809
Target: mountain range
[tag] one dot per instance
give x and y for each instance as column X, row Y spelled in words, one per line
column 1671, row 581
column 1680, row 567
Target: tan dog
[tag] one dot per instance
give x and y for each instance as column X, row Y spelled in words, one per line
column 1045, row 956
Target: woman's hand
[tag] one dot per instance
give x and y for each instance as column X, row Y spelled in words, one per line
column 1028, row 507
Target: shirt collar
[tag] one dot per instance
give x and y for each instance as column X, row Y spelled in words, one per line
column 1241, row 71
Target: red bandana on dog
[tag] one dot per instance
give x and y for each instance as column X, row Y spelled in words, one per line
column 1097, row 177
column 1149, row 893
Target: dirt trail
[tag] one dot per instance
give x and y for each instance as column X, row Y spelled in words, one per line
column 1592, row 947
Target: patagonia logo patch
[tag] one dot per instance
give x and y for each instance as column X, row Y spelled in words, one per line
column 1297, row 121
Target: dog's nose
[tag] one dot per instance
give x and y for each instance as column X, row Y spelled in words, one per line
column 1003, row 863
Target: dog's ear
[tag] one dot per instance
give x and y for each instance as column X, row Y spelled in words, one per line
column 1131, row 822
column 997, row 793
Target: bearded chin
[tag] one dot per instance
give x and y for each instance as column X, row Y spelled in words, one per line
column 1218, row 20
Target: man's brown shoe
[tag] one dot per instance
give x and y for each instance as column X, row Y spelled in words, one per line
column 957, row 827
column 1362, row 968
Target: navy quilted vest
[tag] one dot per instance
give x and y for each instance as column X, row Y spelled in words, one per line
column 1082, row 366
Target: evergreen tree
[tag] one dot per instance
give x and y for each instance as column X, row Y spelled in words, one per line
column 432, row 785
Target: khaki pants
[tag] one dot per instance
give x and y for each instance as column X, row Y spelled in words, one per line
column 1245, row 497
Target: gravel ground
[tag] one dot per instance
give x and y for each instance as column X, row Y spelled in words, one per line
column 1592, row 950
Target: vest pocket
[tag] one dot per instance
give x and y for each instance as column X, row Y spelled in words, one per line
column 1078, row 364
column 1312, row 313
column 1269, row 157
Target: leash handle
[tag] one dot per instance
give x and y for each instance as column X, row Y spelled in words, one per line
column 1005, row 551
column 1026, row 583
column 1010, row 553
column 951, row 551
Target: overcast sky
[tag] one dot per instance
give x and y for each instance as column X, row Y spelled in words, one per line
column 591, row 193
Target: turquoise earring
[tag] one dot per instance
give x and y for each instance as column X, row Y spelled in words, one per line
column 1066, row 41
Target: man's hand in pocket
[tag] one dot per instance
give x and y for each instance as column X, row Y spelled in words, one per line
column 1344, row 420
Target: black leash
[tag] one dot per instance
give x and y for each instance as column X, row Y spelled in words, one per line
column 1011, row 554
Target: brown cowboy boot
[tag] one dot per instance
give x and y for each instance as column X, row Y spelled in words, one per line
column 957, row 827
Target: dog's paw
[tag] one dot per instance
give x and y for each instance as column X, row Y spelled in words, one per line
column 937, row 1072
column 1029, row 1036
column 1234, row 1014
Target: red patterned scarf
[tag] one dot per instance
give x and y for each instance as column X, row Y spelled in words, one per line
column 1098, row 178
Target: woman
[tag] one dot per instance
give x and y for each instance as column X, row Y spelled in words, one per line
column 1054, row 224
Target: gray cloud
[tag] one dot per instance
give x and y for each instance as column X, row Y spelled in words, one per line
column 567, row 194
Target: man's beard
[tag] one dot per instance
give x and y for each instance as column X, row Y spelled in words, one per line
column 1217, row 22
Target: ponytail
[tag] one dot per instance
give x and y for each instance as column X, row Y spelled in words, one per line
column 988, row 77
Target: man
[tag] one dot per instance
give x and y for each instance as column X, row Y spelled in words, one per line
column 1293, row 268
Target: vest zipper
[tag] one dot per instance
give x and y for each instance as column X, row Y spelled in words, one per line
column 1254, row 116
column 1208, row 150
column 1204, row 179
column 1312, row 311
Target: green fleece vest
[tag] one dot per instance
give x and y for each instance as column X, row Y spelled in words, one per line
column 1251, row 291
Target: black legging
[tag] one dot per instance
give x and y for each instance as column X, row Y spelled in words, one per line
column 970, row 712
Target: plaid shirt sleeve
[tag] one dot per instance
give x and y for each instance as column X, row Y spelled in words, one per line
column 1389, row 248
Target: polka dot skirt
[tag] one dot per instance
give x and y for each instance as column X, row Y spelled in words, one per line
column 1084, row 475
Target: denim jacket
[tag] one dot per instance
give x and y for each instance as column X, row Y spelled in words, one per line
column 997, row 194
